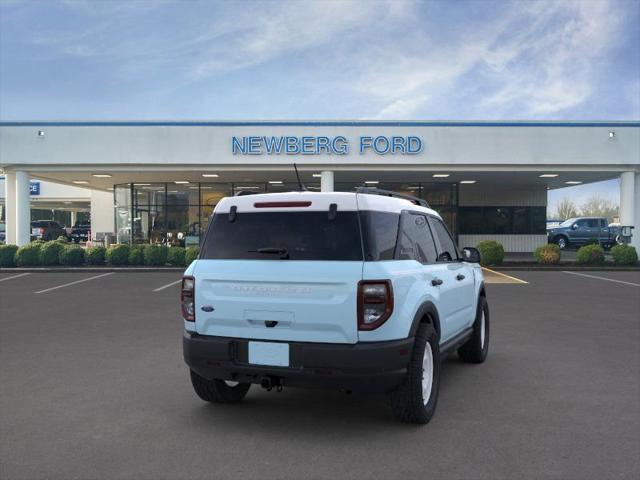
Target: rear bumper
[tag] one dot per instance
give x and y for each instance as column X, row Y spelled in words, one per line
column 370, row 367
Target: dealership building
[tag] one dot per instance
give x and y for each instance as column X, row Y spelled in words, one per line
column 159, row 181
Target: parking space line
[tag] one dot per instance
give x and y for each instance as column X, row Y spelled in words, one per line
column 168, row 285
column 603, row 278
column 74, row 283
column 14, row 276
column 514, row 279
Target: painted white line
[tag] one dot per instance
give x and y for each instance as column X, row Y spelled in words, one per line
column 517, row 280
column 168, row 285
column 603, row 278
column 74, row 283
column 14, row 276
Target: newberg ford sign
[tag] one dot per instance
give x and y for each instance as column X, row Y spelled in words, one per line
column 312, row 145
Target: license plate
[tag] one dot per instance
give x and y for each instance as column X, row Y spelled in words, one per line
column 268, row 353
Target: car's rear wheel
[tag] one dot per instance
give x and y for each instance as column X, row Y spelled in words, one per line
column 475, row 350
column 218, row 391
column 415, row 400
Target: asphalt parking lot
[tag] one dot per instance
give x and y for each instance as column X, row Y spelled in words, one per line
column 92, row 386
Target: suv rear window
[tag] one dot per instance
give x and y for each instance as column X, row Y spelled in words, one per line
column 302, row 235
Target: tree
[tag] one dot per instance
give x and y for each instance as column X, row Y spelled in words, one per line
column 596, row 206
column 565, row 209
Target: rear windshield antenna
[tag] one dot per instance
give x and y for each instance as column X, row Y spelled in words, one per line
column 301, row 186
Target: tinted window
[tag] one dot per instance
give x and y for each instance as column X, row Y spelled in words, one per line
column 416, row 242
column 593, row 223
column 581, row 223
column 503, row 220
column 447, row 247
column 304, row 236
column 379, row 232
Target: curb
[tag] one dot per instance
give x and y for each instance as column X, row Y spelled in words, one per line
column 569, row 268
column 91, row 269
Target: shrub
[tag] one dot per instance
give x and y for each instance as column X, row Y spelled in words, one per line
column 155, row 255
column 8, row 255
column 38, row 242
column 62, row 239
column 95, row 255
column 492, row 252
column 118, row 254
column 547, row 254
column 590, row 254
column 72, row 255
column 29, row 255
column 190, row 254
column 624, row 255
column 176, row 256
column 136, row 255
column 50, row 253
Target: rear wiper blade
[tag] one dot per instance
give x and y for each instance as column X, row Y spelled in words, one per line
column 283, row 252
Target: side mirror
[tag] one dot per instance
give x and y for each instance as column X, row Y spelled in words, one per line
column 471, row 255
column 574, row 226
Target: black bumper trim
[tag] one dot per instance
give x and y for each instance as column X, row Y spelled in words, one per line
column 371, row 366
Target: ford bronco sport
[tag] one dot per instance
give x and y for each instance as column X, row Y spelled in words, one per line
column 362, row 291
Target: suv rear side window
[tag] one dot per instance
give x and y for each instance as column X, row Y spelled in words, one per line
column 447, row 249
column 379, row 232
column 302, row 235
column 416, row 242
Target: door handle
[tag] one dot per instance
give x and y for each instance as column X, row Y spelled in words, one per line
column 460, row 277
column 436, row 281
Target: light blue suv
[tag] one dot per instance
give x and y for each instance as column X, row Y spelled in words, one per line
column 361, row 291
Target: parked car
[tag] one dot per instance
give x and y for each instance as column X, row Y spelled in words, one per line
column 46, row 230
column 80, row 232
column 580, row 231
column 353, row 291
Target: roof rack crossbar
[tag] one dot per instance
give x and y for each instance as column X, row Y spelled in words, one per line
column 390, row 193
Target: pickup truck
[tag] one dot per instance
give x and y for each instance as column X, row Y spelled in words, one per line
column 576, row 232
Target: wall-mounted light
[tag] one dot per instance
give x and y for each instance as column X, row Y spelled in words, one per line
column 41, row 133
column 612, row 134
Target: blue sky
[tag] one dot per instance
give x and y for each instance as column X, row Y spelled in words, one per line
column 456, row 60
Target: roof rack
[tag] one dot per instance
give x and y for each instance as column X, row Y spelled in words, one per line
column 390, row 193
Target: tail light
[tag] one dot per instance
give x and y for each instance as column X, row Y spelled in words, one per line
column 187, row 298
column 375, row 303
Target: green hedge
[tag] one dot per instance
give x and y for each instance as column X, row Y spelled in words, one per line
column 155, row 255
column 136, row 255
column 8, row 255
column 547, row 254
column 590, row 254
column 191, row 254
column 95, row 255
column 72, row 255
column 491, row 252
column 50, row 253
column 29, row 255
column 624, row 255
column 118, row 254
column 176, row 256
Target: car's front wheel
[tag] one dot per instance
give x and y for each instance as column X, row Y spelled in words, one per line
column 218, row 391
column 475, row 350
column 562, row 242
column 415, row 400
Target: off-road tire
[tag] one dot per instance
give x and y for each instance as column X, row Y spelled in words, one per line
column 475, row 350
column 407, row 403
column 217, row 391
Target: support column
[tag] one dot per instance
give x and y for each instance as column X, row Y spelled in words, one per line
column 73, row 218
column 629, row 204
column 22, row 208
column 10, row 206
column 326, row 181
